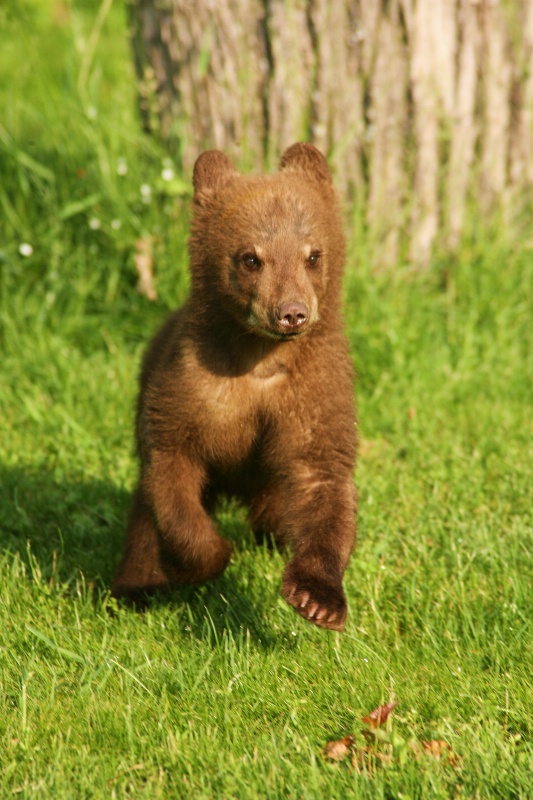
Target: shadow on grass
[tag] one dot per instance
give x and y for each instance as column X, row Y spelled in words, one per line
column 68, row 526
column 215, row 610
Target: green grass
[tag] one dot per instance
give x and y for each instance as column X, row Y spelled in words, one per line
column 222, row 691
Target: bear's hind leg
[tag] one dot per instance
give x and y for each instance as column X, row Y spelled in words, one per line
column 141, row 570
column 266, row 518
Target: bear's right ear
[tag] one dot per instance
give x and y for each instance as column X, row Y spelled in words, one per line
column 210, row 171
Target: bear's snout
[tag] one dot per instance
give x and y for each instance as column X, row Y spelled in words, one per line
column 292, row 316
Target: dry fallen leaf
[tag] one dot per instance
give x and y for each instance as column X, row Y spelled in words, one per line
column 436, row 747
column 441, row 749
column 339, row 749
column 144, row 263
column 365, row 757
column 379, row 715
column 382, row 747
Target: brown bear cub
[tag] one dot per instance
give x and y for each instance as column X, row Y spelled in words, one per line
column 247, row 390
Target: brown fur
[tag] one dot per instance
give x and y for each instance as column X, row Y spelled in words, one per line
column 247, row 390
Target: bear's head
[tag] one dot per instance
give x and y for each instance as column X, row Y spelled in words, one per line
column 267, row 250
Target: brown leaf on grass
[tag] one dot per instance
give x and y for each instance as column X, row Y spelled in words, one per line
column 436, row 747
column 339, row 749
column 439, row 749
column 379, row 715
column 144, row 264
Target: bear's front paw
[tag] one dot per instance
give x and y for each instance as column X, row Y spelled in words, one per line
column 315, row 599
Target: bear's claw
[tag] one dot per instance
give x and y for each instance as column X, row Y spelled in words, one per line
column 326, row 607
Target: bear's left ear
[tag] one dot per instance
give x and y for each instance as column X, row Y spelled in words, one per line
column 210, row 170
column 303, row 157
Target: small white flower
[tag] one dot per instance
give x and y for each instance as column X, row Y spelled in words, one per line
column 122, row 166
column 116, row 224
column 95, row 224
column 146, row 193
column 25, row 249
column 167, row 174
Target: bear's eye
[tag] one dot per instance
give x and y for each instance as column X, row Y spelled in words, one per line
column 251, row 261
column 314, row 258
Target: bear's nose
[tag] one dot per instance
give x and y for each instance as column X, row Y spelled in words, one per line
column 292, row 315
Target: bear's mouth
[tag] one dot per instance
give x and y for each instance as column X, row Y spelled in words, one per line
column 278, row 334
column 284, row 335
column 274, row 329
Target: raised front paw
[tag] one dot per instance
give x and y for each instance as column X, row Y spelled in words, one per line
column 316, row 599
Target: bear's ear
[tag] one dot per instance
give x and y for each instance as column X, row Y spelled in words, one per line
column 210, row 170
column 303, row 157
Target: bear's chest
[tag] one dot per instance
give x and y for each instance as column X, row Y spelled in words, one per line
column 230, row 413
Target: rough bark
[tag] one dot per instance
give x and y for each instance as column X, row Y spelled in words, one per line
column 463, row 123
column 423, row 107
column 432, row 71
column 386, row 136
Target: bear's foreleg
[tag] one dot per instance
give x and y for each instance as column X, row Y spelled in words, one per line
column 170, row 538
column 321, row 524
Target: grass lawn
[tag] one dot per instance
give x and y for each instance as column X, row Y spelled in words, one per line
column 222, row 691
